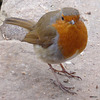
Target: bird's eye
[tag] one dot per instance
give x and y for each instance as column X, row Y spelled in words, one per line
column 62, row 18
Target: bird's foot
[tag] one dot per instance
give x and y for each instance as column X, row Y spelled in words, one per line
column 70, row 75
column 64, row 72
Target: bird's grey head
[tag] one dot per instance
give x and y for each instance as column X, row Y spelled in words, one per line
column 68, row 11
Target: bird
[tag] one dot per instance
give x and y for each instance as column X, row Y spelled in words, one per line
column 58, row 36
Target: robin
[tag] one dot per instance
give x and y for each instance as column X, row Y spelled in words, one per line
column 58, row 36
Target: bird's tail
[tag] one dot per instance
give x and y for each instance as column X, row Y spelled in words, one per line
column 20, row 22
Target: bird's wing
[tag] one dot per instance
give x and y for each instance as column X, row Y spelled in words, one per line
column 43, row 37
column 43, row 32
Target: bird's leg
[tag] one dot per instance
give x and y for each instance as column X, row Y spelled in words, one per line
column 58, row 83
column 69, row 74
column 62, row 71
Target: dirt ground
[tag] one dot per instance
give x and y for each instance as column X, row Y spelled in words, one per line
column 25, row 77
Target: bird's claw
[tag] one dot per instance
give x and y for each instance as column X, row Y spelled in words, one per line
column 69, row 75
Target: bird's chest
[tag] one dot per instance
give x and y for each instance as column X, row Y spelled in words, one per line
column 72, row 39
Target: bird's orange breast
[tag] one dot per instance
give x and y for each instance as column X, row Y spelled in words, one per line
column 71, row 37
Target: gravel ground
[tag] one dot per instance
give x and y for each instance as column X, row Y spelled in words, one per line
column 24, row 77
